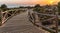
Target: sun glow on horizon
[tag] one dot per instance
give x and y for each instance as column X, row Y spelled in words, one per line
column 50, row 2
column 28, row 2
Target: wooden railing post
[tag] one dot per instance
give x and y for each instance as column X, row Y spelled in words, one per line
column 0, row 17
column 56, row 22
column 36, row 18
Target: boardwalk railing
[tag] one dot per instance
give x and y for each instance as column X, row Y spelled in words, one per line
column 35, row 19
column 4, row 16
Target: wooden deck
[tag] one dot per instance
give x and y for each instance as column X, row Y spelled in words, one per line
column 20, row 24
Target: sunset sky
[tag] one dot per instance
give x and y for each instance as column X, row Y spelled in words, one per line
column 28, row 2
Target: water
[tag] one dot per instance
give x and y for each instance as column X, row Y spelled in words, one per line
column 12, row 6
column 16, row 5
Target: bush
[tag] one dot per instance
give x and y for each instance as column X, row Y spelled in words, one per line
column 54, row 28
column 9, row 15
column 37, row 8
column 46, row 23
column 4, row 7
column 58, row 22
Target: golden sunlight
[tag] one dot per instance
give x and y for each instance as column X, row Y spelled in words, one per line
column 50, row 2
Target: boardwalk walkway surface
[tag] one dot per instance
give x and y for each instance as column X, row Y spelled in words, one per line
column 19, row 24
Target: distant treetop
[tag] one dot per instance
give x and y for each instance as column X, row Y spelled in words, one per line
column 37, row 8
column 37, row 5
column 4, row 7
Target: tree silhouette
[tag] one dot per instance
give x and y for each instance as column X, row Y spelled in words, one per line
column 37, row 8
column 4, row 7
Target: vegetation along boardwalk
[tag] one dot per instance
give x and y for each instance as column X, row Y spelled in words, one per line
column 20, row 24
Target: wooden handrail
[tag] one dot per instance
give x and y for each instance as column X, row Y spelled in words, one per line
column 6, row 16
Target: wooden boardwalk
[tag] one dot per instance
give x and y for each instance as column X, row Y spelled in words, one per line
column 20, row 24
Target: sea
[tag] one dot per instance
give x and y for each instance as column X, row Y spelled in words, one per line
column 12, row 6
